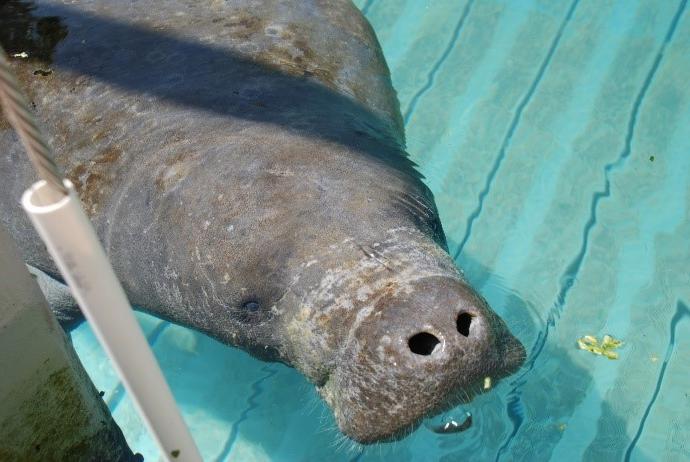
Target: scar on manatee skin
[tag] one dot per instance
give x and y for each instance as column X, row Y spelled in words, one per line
column 43, row 72
column 376, row 255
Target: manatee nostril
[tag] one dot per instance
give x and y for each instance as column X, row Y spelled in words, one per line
column 423, row 343
column 463, row 324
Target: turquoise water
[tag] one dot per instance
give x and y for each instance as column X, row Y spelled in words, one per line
column 555, row 136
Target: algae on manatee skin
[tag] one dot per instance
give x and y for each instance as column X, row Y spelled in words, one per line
column 605, row 348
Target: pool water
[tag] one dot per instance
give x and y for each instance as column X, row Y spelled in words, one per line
column 555, row 136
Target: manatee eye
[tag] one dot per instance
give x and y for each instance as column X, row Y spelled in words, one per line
column 249, row 311
column 253, row 310
column 251, row 306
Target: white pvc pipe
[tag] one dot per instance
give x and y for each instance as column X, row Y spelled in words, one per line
column 73, row 244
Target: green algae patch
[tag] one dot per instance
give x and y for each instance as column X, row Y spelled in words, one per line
column 58, row 424
column 605, row 348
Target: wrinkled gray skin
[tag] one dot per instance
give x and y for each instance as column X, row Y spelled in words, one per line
column 243, row 164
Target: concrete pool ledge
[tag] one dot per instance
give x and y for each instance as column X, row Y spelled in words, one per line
column 49, row 409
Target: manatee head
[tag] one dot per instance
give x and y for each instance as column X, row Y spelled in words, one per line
column 398, row 335
column 429, row 349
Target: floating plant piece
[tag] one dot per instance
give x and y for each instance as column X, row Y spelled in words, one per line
column 605, row 348
column 609, row 343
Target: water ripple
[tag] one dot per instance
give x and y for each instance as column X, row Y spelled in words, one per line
column 437, row 65
column 569, row 276
column 367, row 5
column 358, row 457
column 513, row 126
column 682, row 311
column 257, row 389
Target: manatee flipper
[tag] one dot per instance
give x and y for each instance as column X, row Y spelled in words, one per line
column 60, row 299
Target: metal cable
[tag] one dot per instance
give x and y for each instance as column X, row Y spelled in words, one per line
column 20, row 117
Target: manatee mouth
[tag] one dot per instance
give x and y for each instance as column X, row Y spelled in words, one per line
column 366, row 428
column 373, row 403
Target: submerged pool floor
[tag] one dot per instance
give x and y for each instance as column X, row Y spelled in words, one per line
column 555, row 136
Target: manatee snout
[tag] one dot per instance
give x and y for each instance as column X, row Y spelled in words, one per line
column 424, row 349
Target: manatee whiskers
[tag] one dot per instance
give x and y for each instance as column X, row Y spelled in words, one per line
column 513, row 350
column 343, row 443
column 325, row 418
column 313, row 402
column 326, row 425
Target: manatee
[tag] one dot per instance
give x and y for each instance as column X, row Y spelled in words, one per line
column 244, row 165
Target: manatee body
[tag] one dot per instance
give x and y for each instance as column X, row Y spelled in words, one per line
column 243, row 163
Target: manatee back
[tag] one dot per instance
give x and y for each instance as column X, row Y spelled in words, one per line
column 328, row 41
column 128, row 90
